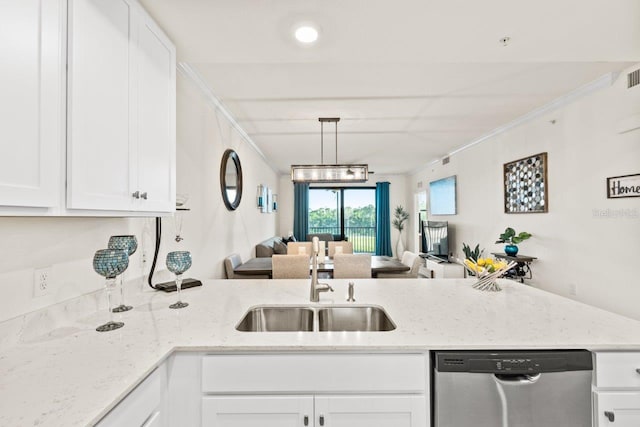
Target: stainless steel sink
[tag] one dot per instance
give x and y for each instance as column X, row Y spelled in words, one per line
column 365, row 318
column 359, row 318
column 277, row 319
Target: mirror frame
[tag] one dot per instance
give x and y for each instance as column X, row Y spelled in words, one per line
column 230, row 155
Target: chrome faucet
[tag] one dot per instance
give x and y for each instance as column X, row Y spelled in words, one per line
column 350, row 297
column 316, row 287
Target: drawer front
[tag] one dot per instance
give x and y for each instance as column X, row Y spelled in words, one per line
column 617, row 370
column 368, row 373
column 617, row 409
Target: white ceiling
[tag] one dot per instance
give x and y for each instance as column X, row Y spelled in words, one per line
column 411, row 79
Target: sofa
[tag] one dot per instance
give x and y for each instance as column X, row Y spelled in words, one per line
column 273, row 245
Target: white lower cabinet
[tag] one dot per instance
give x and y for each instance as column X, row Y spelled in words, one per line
column 616, row 389
column 619, row 409
column 371, row 411
column 280, row 390
column 314, row 411
column 315, row 389
column 143, row 407
column 257, row 411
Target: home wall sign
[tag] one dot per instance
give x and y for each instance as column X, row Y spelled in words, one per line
column 525, row 185
column 619, row 187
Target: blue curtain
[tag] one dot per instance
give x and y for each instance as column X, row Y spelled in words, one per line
column 300, row 210
column 383, row 219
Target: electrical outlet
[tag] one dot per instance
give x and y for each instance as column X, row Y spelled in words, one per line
column 573, row 289
column 41, row 278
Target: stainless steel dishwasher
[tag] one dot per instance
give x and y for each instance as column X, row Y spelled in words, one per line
column 512, row 389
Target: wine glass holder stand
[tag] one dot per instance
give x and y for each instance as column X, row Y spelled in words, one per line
column 171, row 285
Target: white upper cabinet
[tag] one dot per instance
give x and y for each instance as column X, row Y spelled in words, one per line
column 156, row 100
column 121, row 109
column 99, row 118
column 32, row 102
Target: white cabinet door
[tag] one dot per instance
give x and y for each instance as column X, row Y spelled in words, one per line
column 142, row 407
column 99, row 83
column 257, row 411
column 32, row 101
column 156, row 138
column 371, row 411
column 617, row 409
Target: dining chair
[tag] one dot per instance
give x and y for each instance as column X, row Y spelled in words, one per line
column 411, row 260
column 290, row 266
column 350, row 266
column 346, row 248
column 298, row 248
column 231, row 263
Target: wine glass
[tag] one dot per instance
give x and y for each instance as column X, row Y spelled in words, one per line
column 178, row 262
column 129, row 244
column 110, row 263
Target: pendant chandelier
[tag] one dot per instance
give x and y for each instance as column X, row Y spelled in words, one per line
column 329, row 173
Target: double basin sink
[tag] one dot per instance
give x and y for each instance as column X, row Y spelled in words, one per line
column 279, row 318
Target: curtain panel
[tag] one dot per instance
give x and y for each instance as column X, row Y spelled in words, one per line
column 383, row 219
column 300, row 210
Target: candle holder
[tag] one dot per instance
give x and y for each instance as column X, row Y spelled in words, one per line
column 109, row 263
column 178, row 262
column 129, row 244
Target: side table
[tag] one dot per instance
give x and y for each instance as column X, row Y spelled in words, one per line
column 522, row 270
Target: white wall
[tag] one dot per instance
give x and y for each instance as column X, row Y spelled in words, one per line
column 210, row 231
column 398, row 195
column 598, row 255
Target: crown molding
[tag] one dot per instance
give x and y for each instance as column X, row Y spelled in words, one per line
column 602, row 82
column 196, row 79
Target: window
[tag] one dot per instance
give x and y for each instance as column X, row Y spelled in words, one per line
column 347, row 213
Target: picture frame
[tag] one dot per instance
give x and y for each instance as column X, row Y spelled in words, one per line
column 525, row 185
column 623, row 186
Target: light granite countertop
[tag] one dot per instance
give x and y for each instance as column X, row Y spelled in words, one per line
column 73, row 375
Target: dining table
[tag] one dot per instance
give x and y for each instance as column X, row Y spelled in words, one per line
column 263, row 266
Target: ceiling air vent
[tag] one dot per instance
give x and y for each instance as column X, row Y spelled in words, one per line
column 445, row 160
column 633, row 79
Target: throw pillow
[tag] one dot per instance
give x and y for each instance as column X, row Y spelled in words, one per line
column 286, row 240
column 279, row 248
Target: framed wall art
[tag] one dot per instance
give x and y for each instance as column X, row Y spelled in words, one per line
column 525, row 185
column 623, row 186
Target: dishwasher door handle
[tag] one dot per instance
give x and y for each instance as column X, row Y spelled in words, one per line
column 514, row 379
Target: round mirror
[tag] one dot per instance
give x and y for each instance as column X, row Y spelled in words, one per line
column 231, row 179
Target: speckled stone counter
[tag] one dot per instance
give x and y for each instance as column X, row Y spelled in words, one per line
column 73, row 375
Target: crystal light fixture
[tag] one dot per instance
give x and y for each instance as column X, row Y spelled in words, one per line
column 329, row 173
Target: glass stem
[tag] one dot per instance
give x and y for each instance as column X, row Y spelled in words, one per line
column 109, row 287
column 122, row 289
column 178, row 285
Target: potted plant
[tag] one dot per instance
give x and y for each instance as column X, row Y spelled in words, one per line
column 399, row 217
column 511, row 238
column 472, row 255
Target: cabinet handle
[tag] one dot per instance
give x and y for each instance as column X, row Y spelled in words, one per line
column 321, row 419
column 143, row 195
column 306, row 420
column 135, row 194
column 610, row 416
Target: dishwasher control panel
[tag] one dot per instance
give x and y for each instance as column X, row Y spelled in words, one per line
column 515, row 365
column 501, row 362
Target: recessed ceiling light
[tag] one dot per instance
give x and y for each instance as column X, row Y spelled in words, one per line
column 306, row 34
